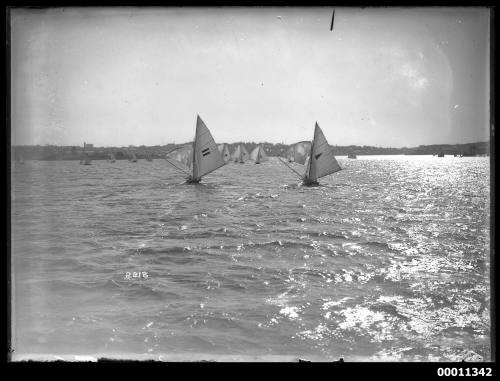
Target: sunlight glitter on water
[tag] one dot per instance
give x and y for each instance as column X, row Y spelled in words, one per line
column 387, row 259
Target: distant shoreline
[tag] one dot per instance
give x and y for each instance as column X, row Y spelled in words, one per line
column 53, row 152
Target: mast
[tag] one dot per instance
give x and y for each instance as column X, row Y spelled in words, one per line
column 195, row 167
column 308, row 170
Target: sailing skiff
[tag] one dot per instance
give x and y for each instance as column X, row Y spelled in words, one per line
column 198, row 158
column 317, row 157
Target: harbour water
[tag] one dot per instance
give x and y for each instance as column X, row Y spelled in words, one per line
column 387, row 260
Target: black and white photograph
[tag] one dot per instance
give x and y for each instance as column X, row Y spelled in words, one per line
column 250, row 184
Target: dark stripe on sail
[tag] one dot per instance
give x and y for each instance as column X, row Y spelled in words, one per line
column 205, row 152
column 318, row 155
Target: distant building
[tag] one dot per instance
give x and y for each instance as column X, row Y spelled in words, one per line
column 87, row 146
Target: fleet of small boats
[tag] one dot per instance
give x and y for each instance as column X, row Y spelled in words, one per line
column 203, row 156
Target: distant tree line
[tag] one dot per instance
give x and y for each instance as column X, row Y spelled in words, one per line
column 53, row 152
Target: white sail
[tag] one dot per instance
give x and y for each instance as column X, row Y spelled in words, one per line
column 322, row 162
column 244, row 154
column 298, row 152
column 224, row 150
column 207, row 157
column 258, row 155
column 236, row 154
column 226, row 155
column 183, row 157
column 255, row 153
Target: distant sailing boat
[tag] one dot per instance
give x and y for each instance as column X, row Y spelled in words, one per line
column 240, row 154
column 200, row 157
column 111, row 158
column 148, row 157
column 258, row 155
column 320, row 160
column 224, row 150
column 86, row 159
column 132, row 158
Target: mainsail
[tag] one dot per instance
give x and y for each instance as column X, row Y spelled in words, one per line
column 206, row 155
column 321, row 161
column 258, row 155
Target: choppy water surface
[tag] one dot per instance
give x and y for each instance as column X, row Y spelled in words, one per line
column 387, row 260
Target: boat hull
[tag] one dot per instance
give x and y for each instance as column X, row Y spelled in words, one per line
column 191, row 180
column 310, row 183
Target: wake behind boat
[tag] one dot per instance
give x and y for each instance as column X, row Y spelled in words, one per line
column 198, row 158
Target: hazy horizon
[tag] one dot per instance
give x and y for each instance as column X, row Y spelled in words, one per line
column 387, row 77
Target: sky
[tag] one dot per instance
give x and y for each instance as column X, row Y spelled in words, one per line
column 390, row 77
